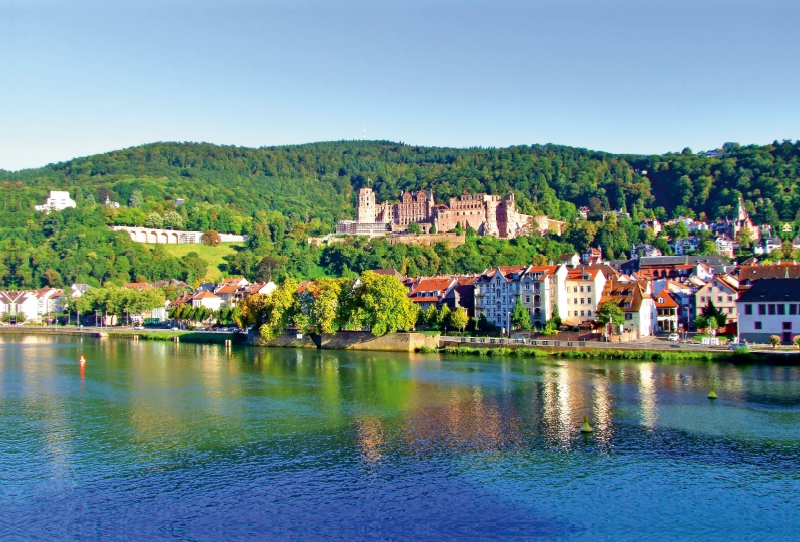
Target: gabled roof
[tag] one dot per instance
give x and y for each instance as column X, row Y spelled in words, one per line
column 773, row 289
column 138, row 286
column 438, row 284
column 631, row 294
column 664, row 300
column 774, row 271
column 231, row 281
column 227, row 289
column 206, row 295
column 578, row 272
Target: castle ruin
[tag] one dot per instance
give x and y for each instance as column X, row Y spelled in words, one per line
column 487, row 214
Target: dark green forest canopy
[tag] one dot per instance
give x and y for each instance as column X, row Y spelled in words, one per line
column 320, row 179
column 280, row 195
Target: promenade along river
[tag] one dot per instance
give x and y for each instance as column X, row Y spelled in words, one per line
column 195, row 442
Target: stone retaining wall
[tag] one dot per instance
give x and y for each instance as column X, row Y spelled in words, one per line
column 352, row 340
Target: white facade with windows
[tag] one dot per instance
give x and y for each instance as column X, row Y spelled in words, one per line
column 583, row 289
column 770, row 307
column 58, row 201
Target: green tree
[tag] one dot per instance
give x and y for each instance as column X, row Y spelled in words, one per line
column 556, row 317
column 431, row 319
column 609, row 312
column 459, row 319
column 677, row 230
column 744, row 238
column 154, row 220
column 414, row 228
column 708, row 248
column 195, row 267
column 279, row 309
column 520, row 317
column 444, row 316
column 383, row 304
column 136, row 199
column 173, row 220
column 326, row 307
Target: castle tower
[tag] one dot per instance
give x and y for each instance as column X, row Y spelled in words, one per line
column 365, row 209
column 741, row 214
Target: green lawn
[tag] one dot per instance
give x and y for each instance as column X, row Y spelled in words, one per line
column 212, row 255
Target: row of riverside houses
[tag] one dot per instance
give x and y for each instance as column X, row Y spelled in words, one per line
column 656, row 294
column 226, row 293
column 32, row 305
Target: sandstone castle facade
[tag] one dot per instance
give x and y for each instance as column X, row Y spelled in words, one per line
column 488, row 214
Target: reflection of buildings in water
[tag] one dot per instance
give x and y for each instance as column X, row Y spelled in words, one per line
column 602, row 409
column 371, row 439
column 647, row 394
column 565, row 402
column 466, row 420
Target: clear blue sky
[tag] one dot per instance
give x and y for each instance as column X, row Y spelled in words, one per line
column 645, row 76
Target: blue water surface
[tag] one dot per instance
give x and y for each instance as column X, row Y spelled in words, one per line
column 156, row 440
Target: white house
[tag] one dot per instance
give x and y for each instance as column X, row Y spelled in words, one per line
column 766, row 245
column 770, row 307
column 207, row 300
column 571, row 260
column 724, row 246
column 583, row 289
column 635, row 301
column 685, row 246
column 23, row 306
column 58, row 201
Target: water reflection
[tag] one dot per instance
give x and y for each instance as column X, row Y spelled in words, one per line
column 301, row 428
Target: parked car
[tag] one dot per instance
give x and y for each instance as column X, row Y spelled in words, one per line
column 673, row 337
column 138, row 327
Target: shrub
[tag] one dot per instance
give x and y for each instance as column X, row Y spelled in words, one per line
column 796, row 340
column 774, row 340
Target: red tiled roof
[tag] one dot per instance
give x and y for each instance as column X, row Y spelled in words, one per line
column 431, row 285
column 206, row 295
column 227, row 289
column 138, row 286
column 664, row 301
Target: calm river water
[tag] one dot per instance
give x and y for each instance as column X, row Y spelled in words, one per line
column 157, row 440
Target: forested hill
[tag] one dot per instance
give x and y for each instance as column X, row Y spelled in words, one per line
column 319, row 180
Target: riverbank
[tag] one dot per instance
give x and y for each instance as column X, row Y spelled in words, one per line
column 432, row 343
column 127, row 333
column 595, row 353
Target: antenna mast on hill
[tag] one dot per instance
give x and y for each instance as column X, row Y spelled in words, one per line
column 364, row 133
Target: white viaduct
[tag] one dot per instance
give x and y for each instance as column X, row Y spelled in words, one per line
column 140, row 234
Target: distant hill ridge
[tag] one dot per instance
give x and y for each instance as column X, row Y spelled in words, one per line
column 319, row 180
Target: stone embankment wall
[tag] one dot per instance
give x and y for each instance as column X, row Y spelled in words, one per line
column 352, row 340
column 41, row 330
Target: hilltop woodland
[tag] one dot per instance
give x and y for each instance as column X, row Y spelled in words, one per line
column 280, row 196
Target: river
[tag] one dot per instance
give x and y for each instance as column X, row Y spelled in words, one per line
column 156, row 440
